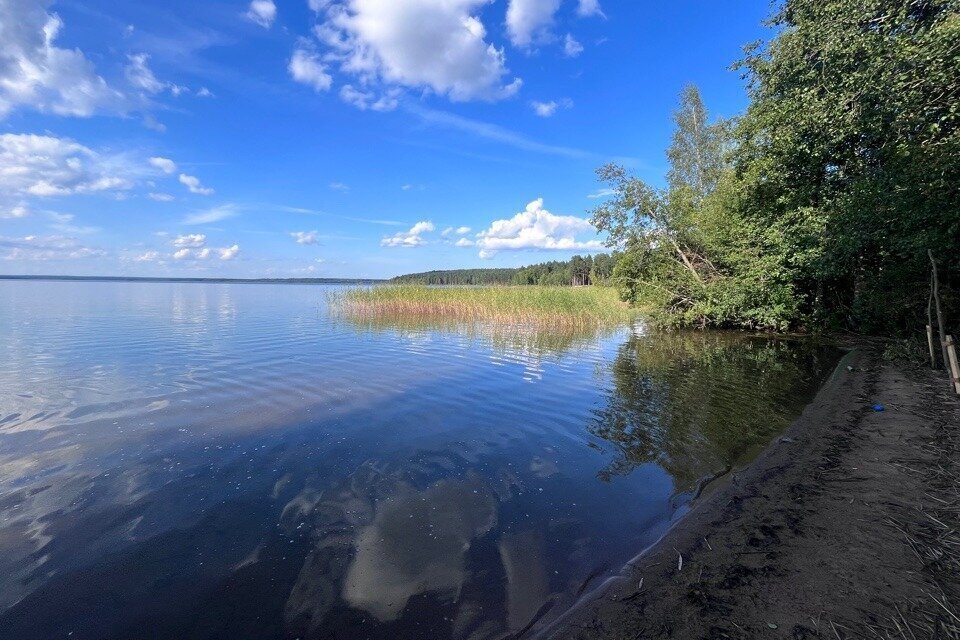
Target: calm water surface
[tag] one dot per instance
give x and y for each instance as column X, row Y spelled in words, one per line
column 234, row 461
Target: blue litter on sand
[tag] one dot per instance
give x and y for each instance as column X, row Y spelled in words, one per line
column 878, row 407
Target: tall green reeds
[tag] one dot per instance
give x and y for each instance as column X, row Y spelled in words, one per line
column 579, row 306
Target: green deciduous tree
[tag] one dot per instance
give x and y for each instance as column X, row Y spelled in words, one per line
column 688, row 256
column 850, row 150
column 816, row 208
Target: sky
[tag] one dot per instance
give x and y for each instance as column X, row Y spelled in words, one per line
column 337, row 138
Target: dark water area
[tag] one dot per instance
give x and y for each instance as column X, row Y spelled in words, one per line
column 185, row 460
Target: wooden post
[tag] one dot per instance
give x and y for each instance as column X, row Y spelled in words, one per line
column 933, row 355
column 954, row 367
column 936, row 299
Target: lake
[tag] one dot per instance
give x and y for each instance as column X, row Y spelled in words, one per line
column 182, row 460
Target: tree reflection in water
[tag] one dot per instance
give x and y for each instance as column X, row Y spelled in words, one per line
column 697, row 403
column 272, row 475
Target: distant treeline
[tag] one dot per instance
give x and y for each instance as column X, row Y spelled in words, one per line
column 578, row 271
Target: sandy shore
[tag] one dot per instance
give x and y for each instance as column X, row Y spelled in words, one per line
column 841, row 529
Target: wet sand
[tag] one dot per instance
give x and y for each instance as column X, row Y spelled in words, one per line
column 841, row 529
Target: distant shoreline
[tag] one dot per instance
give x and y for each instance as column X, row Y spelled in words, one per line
column 198, row 280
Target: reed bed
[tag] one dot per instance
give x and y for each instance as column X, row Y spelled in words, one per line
column 541, row 306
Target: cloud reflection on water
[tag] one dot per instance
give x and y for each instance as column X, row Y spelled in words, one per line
column 224, row 461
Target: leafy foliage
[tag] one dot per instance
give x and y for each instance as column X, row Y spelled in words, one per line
column 689, row 256
column 817, row 207
column 850, row 149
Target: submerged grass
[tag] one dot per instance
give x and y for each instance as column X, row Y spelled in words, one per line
column 558, row 306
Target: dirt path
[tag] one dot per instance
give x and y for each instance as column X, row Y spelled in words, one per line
column 842, row 529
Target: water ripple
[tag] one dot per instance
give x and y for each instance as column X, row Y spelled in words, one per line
column 172, row 452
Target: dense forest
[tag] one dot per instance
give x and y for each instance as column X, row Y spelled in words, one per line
column 578, row 271
column 817, row 207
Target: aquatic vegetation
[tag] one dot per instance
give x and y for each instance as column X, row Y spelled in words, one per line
column 550, row 306
column 535, row 340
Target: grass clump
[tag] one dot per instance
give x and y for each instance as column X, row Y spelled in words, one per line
column 579, row 306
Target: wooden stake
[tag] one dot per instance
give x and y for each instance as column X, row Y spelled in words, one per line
column 933, row 355
column 954, row 367
column 936, row 299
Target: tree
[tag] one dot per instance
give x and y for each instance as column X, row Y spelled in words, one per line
column 602, row 269
column 850, row 152
column 816, row 208
column 580, row 270
column 687, row 256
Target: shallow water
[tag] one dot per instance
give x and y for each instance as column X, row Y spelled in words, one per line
column 231, row 461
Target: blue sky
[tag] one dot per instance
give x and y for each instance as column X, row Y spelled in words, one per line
column 356, row 138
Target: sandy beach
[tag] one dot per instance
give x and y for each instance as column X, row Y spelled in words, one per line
column 846, row 527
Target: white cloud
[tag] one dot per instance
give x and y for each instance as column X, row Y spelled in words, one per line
column 194, row 247
column 536, row 228
column 529, row 21
column 208, row 216
column 262, row 12
column 166, row 165
column 203, row 92
column 491, row 132
column 465, row 242
column 161, row 197
column 37, row 167
column 307, row 68
column 304, row 237
column 364, row 100
column 148, row 256
column 192, row 183
column 62, row 222
column 190, row 240
column 547, row 109
column 544, row 109
column 411, row 238
column 602, row 193
column 437, row 45
column 16, row 211
column 140, row 76
column 586, row 8
column 153, row 124
column 44, row 166
column 463, row 230
column 44, row 248
column 37, row 74
column 571, row 47
column 339, row 186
